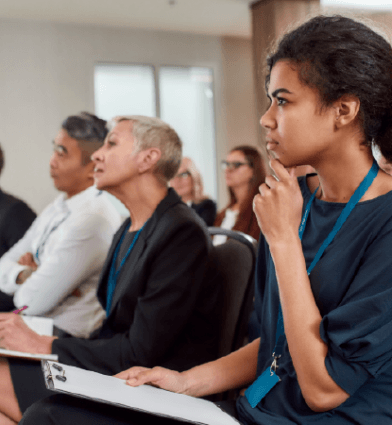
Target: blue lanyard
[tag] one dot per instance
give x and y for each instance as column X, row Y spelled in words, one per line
column 46, row 235
column 268, row 379
column 113, row 274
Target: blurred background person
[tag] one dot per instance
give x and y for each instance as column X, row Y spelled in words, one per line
column 15, row 217
column 244, row 173
column 188, row 183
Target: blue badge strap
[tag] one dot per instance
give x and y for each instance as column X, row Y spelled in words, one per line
column 268, row 379
column 355, row 198
column 46, row 237
column 113, row 274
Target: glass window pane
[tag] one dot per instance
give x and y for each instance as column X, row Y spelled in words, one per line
column 187, row 104
column 124, row 90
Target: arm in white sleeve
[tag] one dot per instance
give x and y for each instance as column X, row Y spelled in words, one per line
column 80, row 251
column 9, row 267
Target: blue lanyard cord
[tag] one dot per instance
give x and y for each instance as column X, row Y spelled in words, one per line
column 355, row 198
column 113, row 274
column 268, row 379
column 46, row 235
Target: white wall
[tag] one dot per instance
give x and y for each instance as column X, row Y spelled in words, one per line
column 47, row 73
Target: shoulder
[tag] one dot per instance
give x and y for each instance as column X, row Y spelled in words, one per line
column 16, row 208
column 7, row 200
column 381, row 186
column 180, row 221
column 204, row 204
column 95, row 208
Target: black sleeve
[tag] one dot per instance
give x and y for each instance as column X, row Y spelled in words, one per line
column 207, row 211
column 161, row 314
column 17, row 221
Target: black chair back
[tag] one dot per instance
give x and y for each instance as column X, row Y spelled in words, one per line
column 234, row 267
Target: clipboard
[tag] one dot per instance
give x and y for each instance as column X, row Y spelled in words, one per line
column 145, row 398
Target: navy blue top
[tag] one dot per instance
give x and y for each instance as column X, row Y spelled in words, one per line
column 352, row 286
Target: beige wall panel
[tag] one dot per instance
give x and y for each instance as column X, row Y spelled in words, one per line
column 238, row 101
column 47, row 73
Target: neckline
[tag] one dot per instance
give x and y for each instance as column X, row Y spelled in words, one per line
column 338, row 204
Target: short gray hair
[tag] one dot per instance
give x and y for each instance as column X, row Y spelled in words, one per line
column 151, row 132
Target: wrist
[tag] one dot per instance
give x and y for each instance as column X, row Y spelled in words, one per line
column 23, row 275
column 286, row 243
column 45, row 344
column 196, row 383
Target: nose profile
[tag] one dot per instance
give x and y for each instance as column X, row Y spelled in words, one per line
column 52, row 161
column 267, row 120
column 97, row 155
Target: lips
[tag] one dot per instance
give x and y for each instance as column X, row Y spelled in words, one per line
column 270, row 143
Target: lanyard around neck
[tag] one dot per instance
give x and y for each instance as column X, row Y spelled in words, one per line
column 268, row 379
column 360, row 191
column 45, row 236
column 113, row 274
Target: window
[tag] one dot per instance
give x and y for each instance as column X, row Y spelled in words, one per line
column 124, row 90
column 186, row 102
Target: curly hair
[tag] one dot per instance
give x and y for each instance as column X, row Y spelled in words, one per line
column 337, row 56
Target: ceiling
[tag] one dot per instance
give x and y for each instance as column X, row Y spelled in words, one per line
column 214, row 17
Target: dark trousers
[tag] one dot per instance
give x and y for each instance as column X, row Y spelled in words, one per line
column 65, row 410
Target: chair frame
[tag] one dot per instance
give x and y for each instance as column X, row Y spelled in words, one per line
column 251, row 243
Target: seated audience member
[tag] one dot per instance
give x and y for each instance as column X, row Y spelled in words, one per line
column 244, row 173
column 161, row 309
column 54, row 268
column 188, row 184
column 325, row 352
column 15, row 217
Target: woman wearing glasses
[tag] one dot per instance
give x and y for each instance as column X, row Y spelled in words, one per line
column 244, row 173
column 188, row 183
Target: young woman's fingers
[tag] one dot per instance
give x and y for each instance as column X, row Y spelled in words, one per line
column 131, row 373
column 281, row 173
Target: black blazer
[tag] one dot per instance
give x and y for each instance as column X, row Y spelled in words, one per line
column 206, row 209
column 15, row 218
column 164, row 309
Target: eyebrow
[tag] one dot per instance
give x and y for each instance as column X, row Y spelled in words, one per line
column 61, row 148
column 281, row 90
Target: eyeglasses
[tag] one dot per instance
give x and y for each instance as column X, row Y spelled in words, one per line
column 183, row 175
column 226, row 165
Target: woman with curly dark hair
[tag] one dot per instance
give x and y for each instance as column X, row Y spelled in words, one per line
column 323, row 288
column 244, row 173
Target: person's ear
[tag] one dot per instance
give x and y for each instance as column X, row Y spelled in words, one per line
column 148, row 159
column 90, row 169
column 346, row 110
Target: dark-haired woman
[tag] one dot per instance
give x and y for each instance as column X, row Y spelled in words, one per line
column 244, row 173
column 324, row 291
